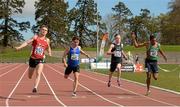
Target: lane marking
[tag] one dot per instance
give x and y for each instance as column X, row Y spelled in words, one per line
column 131, row 91
column 1, row 75
column 89, row 89
column 55, row 96
column 167, row 90
column 163, row 89
column 3, row 67
column 125, row 89
column 9, row 96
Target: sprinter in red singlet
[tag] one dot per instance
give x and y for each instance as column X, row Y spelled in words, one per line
column 40, row 43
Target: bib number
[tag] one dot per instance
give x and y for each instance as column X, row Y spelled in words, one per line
column 75, row 57
column 153, row 53
column 39, row 50
column 117, row 53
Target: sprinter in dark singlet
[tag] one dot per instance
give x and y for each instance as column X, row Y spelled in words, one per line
column 117, row 53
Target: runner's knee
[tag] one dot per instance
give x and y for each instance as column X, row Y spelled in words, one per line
column 65, row 76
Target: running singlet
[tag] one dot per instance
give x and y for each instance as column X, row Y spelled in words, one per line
column 117, row 56
column 73, row 56
column 39, row 46
column 153, row 52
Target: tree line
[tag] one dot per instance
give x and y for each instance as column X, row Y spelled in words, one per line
column 82, row 21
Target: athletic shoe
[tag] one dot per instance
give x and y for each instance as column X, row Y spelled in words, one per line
column 148, row 93
column 74, row 94
column 109, row 83
column 34, row 90
column 118, row 82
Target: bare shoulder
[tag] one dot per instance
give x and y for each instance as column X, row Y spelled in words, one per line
column 67, row 50
column 35, row 36
column 112, row 46
column 79, row 47
column 47, row 39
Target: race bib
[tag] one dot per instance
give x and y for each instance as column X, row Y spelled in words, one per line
column 39, row 50
column 75, row 57
column 117, row 53
column 153, row 53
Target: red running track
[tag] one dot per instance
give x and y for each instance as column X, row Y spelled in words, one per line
column 54, row 90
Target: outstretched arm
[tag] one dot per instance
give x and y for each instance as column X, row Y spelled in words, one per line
column 135, row 42
column 84, row 53
column 162, row 53
column 24, row 44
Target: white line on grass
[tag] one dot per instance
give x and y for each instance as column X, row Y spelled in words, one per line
column 89, row 89
column 55, row 96
column 165, row 70
column 9, row 96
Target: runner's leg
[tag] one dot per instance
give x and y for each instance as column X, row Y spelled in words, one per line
column 39, row 70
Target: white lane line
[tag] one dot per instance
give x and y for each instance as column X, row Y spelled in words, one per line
column 55, row 96
column 9, row 96
column 3, row 67
column 167, row 90
column 9, row 71
column 130, row 91
column 163, row 89
column 89, row 89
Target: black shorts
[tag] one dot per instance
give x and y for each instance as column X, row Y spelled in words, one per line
column 113, row 66
column 34, row 62
column 151, row 66
column 69, row 69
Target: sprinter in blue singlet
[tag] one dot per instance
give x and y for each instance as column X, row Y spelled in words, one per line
column 72, row 64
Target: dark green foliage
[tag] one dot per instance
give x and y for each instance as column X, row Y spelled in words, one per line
column 83, row 20
column 52, row 13
column 9, row 27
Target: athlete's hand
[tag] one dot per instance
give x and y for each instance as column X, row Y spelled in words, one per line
column 133, row 35
column 17, row 48
column 125, row 58
column 88, row 56
column 50, row 54
column 65, row 65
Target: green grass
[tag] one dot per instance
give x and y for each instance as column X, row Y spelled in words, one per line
column 166, row 48
column 167, row 80
column 22, row 56
column 10, row 55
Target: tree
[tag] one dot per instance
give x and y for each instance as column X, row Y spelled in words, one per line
column 110, row 23
column 52, row 13
column 9, row 27
column 172, row 30
column 144, row 25
column 121, row 16
column 84, row 19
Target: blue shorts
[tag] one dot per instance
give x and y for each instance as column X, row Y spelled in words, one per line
column 151, row 66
